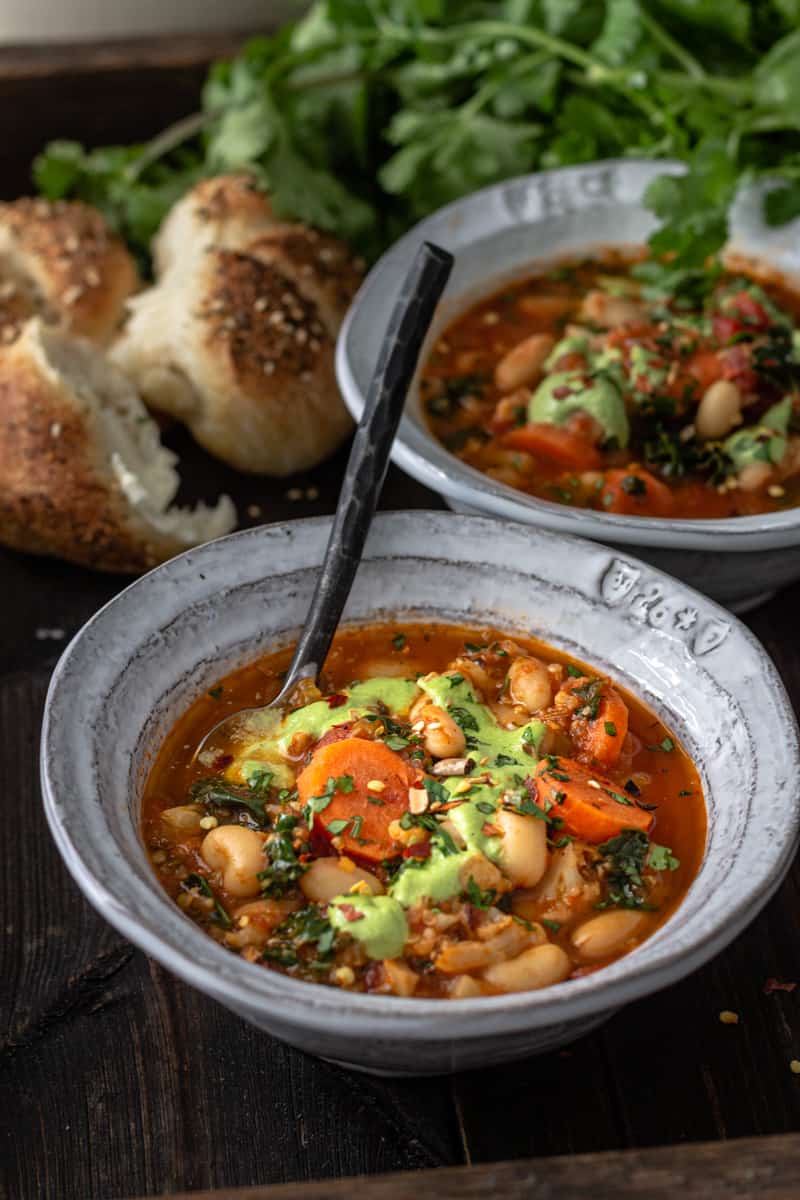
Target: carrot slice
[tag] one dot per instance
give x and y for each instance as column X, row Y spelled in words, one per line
column 360, row 816
column 636, row 491
column 554, row 443
column 600, row 737
column 592, row 807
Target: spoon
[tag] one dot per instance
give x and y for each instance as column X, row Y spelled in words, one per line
column 366, row 470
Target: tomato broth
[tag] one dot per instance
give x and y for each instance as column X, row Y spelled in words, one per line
column 585, row 387
column 453, row 812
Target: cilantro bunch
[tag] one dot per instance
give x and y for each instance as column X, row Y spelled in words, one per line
column 366, row 115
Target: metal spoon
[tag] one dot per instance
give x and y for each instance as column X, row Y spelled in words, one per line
column 366, row 470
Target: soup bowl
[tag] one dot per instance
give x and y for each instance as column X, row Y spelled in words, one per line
column 145, row 657
column 506, row 232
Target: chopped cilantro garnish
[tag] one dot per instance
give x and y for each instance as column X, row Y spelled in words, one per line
column 610, row 728
column 395, row 742
column 553, row 926
column 661, row 858
column 399, row 641
column 477, row 898
column 216, row 692
column 505, row 760
column 200, row 883
column 464, row 719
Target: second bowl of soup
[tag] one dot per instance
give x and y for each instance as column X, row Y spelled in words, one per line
column 558, row 388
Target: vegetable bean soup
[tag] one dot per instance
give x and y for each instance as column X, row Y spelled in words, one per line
column 588, row 386
column 453, row 812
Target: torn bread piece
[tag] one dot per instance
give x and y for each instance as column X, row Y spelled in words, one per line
column 83, row 474
column 239, row 345
column 61, row 261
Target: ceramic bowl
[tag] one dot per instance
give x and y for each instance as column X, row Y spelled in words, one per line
column 505, row 232
column 153, row 650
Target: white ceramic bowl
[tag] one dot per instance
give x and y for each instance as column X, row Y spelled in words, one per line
column 148, row 654
column 505, row 232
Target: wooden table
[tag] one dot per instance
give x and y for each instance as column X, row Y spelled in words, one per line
column 121, row 1081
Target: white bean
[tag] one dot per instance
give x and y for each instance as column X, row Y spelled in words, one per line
column 327, row 877
column 238, row 854
column 605, row 935
column 184, row 818
column 530, row 684
column 753, row 476
column 464, row 987
column 442, row 737
column 599, row 308
column 523, row 857
column 719, row 410
column 536, row 968
column 524, row 362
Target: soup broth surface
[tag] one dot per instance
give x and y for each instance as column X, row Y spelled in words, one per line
column 581, row 387
column 453, row 812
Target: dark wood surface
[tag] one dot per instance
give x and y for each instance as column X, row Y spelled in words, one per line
column 120, row 1081
column 763, row 1167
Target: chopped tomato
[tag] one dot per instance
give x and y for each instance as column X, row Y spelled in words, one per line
column 706, row 367
column 635, row 492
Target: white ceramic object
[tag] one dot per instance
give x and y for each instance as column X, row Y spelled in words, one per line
column 506, row 232
column 153, row 650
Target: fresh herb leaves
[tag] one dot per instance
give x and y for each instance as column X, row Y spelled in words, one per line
column 285, row 868
column 198, row 883
column 463, row 95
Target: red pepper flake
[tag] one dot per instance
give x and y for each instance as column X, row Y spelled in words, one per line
column 418, row 850
column 489, row 830
column 374, row 976
column 336, row 700
column 562, row 392
column 350, row 913
column 222, row 761
column 777, row 985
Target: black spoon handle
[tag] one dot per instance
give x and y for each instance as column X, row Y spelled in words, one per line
column 369, row 457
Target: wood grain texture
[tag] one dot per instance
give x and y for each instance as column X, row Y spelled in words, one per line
column 750, row 1167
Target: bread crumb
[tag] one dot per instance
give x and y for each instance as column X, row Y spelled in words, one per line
column 254, row 510
column 294, row 494
column 49, row 635
column 729, row 1018
column 312, row 493
column 794, row 1066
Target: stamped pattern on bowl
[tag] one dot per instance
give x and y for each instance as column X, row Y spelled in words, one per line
column 650, row 602
column 554, row 193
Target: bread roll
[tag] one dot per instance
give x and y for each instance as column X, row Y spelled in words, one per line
column 62, row 262
column 237, row 341
column 227, row 211
column 83, row 474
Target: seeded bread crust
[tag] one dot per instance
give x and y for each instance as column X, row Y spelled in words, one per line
column 60, row 261
column 59, row 494
column 237, row 337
